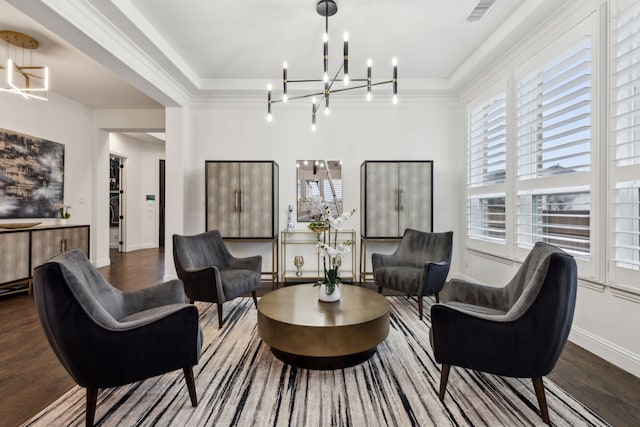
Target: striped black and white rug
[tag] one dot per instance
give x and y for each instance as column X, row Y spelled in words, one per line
column 240, row 383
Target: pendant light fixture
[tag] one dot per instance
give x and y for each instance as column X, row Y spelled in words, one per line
column 329, row 8
column 21, row 77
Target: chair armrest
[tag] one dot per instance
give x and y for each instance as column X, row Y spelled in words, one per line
column 383, row 260
column 434, row 275
column 203, row 284
column 475, row 294
column 253, row 263
column 171, row 292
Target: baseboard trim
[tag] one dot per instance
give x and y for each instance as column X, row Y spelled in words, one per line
column 609, row 351
column 131, row 248
column 102, row 262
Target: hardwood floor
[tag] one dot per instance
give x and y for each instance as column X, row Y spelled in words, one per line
column 31, row 376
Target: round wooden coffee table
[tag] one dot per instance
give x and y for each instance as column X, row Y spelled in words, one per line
column 305, row 332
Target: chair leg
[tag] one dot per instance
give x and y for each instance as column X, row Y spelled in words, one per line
column 437, row 297
column 542, row 401
column 219, row 315
column 255, row 298
column 444, row 377
column 420, row 306
column 92, row 398
column 379, row 289
column 191, row 385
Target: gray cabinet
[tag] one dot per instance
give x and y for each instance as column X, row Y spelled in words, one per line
column 50, row 242
column 242, row 198
column 395, row 195
column 14, row 262
column 24, row 249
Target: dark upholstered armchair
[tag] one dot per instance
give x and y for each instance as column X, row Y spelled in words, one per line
column 516, row 331
column 107, row 338
column 209, row 271
column 419, row 266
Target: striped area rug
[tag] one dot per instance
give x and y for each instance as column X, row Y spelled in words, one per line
column 240, row 383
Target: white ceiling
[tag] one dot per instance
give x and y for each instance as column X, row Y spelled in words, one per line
column 205, row 44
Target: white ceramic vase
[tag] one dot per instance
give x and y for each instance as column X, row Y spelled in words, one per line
column 333, row 297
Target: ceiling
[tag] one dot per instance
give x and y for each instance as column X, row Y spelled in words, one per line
column 205, row 45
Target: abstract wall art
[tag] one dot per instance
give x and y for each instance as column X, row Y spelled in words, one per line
column 31, row 176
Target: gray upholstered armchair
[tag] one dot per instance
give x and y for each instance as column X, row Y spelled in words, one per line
column 209, row 271
column 419, row 266
column 107, row 338
column 518, row 330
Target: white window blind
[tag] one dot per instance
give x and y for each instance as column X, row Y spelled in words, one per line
column 487, row 140
column 561, row 219
column 328, row 195
column 625, row 109
column 486, row 217
column 553, row 114
column 626, row 78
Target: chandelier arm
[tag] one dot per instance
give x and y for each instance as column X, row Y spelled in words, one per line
column 293, row 98
column 362, row 86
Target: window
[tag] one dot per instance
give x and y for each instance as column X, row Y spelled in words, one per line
column 487, row 217
column 553, row 126
column 486, row 169
column 561, row 219
column 625, row 162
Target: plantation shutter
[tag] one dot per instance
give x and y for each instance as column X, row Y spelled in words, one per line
column 625, row 108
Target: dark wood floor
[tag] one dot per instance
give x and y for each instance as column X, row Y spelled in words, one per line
column 31, row 377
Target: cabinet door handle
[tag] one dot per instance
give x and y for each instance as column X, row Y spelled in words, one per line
column 236, row 202
column 401, row 200
column 63, row 245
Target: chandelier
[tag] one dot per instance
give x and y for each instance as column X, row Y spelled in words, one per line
column 329, row 8
column 29, row 81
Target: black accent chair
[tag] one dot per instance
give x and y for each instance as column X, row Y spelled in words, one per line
column 419, row 266
column 516, row 331
column 210, row 273
column 107, row 338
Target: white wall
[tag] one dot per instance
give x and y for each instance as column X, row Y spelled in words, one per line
column 140, row 179
column 418, row 128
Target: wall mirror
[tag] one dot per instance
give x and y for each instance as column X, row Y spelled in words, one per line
column 314, row 180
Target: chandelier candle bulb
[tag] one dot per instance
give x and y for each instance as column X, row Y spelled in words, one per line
column 346, row 58
column 369, row 63
column 269, row 116
column 284, row 81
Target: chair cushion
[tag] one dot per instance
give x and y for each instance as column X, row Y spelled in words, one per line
column 239, row 282
column 401, row 278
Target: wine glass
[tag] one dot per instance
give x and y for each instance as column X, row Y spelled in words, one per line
column 298, row 261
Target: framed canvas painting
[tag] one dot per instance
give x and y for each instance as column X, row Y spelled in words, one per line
column 31, row 176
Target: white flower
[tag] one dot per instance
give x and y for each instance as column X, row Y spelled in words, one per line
column 336, row 222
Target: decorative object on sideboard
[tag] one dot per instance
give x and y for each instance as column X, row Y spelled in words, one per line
column 290, row 226
column 33, row 176
column 27, row 80
column 328, row 8
column 298, row 261
column 64, row 213
column 15, row 225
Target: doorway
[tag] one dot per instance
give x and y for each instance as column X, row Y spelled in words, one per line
column 161, row 179
column 116, row 202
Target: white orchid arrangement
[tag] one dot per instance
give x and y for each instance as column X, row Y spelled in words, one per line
column 333, row 251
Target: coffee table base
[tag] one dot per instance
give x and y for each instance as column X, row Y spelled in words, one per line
column 323, row 363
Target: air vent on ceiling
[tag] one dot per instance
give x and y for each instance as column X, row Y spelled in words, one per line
column 480, row 10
